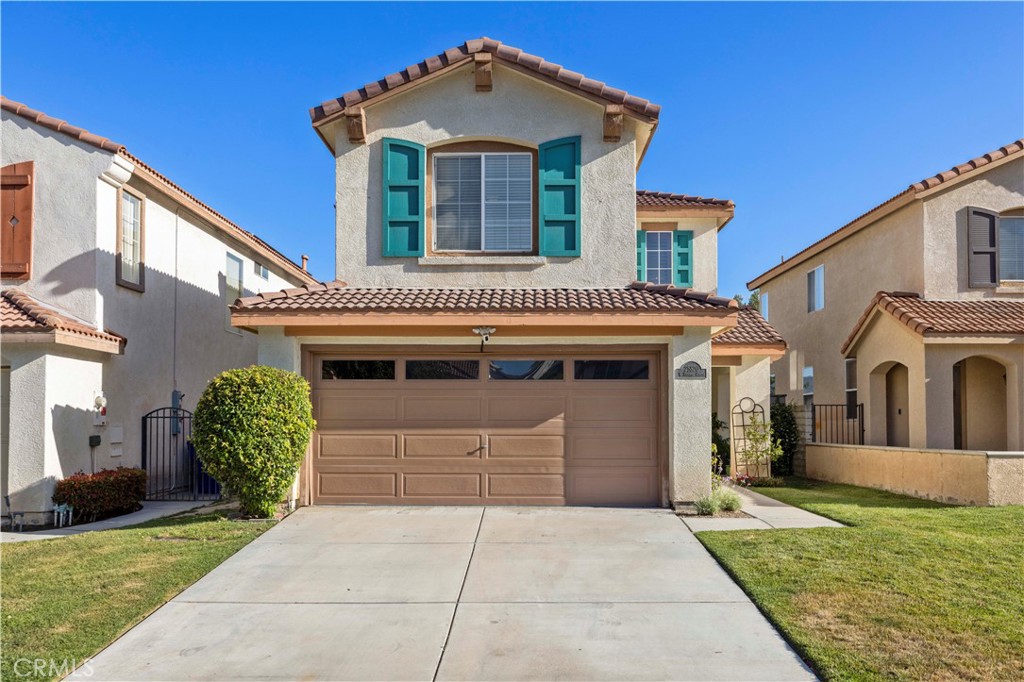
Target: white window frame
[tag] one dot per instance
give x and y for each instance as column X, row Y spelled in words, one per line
column 483, row 201
column 261, row 270
column 818, row 275
column 228, row 258
column 671, row 251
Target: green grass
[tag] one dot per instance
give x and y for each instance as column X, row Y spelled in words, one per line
column 913, row 590
column 68, row 598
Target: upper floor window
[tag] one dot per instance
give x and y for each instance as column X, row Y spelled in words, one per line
column 995, row 247
column 232, row 283
column 261, row 270
column 763, row 298
column 130, row 240
column 816, row 289
column 664, row 256
column 483, row 202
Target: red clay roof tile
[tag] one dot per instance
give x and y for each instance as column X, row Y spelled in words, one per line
column 646, row 198
column 20, row 313
column 751, row 330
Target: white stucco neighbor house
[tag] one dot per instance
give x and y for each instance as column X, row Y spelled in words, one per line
column 517, row 324
column 116, row 286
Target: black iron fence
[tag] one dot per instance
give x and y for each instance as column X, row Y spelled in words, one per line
column 174, row 472
column 839, row 424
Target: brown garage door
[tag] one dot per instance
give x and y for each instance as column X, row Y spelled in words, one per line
column 473, row 429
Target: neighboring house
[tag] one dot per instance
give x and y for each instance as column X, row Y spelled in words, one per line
column 491, row 345
column 936, row 357
column 116, row 285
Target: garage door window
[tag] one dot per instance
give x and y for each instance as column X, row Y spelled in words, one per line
column 526, row 370
column 442, row 370
column 358, row 370
column 610, row 370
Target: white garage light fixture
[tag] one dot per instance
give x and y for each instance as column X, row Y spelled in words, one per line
column 485, row 335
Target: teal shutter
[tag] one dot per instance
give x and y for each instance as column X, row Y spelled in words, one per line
column 641, row 256
column 682, row 258
column 559, row 177
column 404, row 200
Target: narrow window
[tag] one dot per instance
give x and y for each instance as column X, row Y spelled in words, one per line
column 771, row 384
column 816, row 289
column 611, row 370
column 358, row 370
column 130, row 235
column 808, row 387
column 232, row 285
column 261, row 270
column 529, row 370
column 483, row 202
column 659, row 257
column 442, row 370
column 851, row 388
column 1011, row 248
column 764, row 305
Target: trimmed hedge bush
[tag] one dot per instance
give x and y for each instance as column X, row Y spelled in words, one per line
column 250, row 431
column 107, row 493
column 787, row 431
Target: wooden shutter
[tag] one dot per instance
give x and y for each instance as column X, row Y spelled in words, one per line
column 559, row 182
column 982, row 233
column 404, row 200
column 16, row 222
column 682, row 258
column 641, row 256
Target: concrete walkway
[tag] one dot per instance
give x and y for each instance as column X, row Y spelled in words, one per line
column 457, row 593
column 766, row 513
column 149, row 511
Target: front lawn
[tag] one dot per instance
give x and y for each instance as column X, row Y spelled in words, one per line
column 914, row 590
column 65, row 599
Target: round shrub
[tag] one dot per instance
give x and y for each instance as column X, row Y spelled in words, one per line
column 250, row 431
column 728, row 500
column 706, row 505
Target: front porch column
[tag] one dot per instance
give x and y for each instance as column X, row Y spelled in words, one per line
column 689, row 411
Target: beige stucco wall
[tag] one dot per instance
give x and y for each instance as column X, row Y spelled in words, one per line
column 945, row 229
column 689, row 401
column 951, row 476
column 177, row 330
column 520, row 109
column 705, row 246
column 886, row 256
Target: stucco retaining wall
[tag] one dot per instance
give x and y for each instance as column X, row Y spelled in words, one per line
column 951, row 476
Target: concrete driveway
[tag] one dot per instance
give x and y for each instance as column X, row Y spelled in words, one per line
column 456, row 593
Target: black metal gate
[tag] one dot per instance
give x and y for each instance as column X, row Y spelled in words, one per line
column 174, row 472
column 838, row 424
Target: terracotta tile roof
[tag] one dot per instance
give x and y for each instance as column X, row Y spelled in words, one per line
column 335, row 296
column 646, row 198
column 59, row 125
column 66, row 128
column 20, row 313
column 751, row 330
column 929, row 317
column 908, row 194
column 499, row 50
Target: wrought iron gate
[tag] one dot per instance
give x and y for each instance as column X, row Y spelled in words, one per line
column 174, row 472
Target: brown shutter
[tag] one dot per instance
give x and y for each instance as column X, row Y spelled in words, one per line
column 16, row 220
column 982, row 231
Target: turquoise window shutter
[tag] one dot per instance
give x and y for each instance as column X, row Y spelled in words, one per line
column 641, row 256
column 682, row 258
column 404, row 199
column 559, row 184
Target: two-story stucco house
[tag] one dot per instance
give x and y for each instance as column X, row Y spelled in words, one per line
column 116, row 286
column 914, row 310
column 517, row 323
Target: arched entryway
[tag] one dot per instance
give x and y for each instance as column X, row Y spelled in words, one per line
column 979, row 404
column 897, row 404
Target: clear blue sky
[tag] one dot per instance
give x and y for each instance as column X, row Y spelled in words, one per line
column 805, row 115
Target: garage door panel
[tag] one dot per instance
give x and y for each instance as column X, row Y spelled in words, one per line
column 335, row 409
column 358, row 446
column 355, row 484
column 441, row 409
column 521, row 485
column 458, row 446
column 518, row 446
column 612, row 486
column 442, row 485
column 633, row 447
column 613, row 408
column 531, row 408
